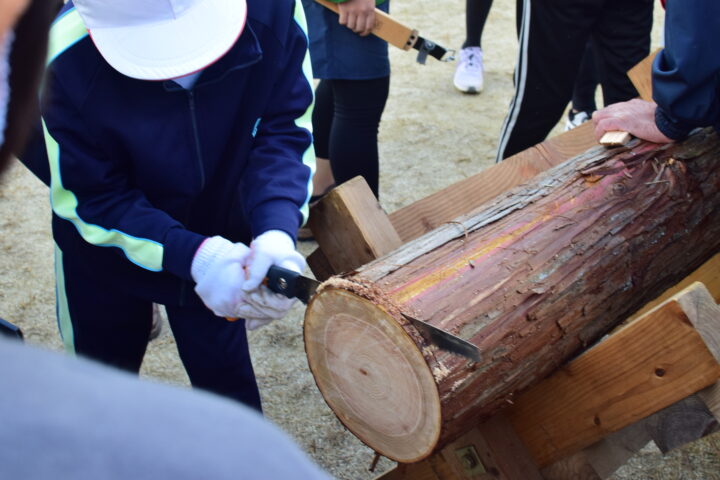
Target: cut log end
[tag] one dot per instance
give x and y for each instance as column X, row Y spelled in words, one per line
column 372, row 375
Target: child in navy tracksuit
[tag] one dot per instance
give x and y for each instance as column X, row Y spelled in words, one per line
column 162, row 172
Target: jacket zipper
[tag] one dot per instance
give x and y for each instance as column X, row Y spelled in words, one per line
column 191, row 96
column 201, row 168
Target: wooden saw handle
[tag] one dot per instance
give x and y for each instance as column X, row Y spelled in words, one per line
column 386, row 27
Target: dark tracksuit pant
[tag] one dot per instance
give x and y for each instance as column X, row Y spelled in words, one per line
column 100, row 322
column 552, row 38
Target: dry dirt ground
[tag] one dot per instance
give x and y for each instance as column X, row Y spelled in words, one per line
column 431, row 136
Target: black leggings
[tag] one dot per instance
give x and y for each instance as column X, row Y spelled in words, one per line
column 476, row 13
column 345, row 121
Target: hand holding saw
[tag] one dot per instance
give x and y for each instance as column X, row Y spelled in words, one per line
column 401, row 36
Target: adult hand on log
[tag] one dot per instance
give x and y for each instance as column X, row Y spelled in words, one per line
column 636, row 117
column 358, row 16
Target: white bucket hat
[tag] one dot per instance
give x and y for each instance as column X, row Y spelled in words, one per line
column 162, row 39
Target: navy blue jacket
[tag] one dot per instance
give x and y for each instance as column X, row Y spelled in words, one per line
column 686, row 73
column 142, row 172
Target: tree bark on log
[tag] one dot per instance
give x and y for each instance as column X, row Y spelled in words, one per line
column 539, row 274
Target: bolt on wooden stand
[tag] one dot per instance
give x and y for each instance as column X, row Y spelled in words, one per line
column 593, row 412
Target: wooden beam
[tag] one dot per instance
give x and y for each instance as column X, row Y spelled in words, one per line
column 467, row 195
column 351, row 228
column 641, row 76
column 650, row 364
column 708, row 274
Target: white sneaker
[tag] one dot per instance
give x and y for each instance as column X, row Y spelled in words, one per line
column 575, row 119
column 469, row 72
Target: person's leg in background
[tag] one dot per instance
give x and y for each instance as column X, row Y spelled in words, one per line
column 353, row 143
column 469, row 72
column 621, row 39
column 97, row 320
column 322, row 120
column 583, row 99
column 215, row 353
column 552, row 39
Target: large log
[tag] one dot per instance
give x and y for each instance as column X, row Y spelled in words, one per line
column 538, row 275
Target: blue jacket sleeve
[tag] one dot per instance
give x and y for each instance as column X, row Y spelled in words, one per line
column 95, row 194
column 686, row 74
column 277, row 184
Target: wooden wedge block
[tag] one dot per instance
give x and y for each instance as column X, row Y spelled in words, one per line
column 615, row 138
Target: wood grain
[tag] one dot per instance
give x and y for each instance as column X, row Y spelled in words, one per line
column 470, row 194
column 641, row 76
column 350, row 226
column 651, row 364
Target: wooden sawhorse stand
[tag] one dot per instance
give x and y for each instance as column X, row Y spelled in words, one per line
column 654, row 378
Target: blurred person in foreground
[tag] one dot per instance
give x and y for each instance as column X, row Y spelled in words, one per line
column 71, row 418
column 685, row 79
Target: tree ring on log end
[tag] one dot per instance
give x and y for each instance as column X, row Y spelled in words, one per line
column 372, row 375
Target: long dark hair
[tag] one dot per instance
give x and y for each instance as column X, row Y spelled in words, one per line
column 27, row 62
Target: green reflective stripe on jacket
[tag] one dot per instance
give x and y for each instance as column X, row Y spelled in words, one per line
column 143, row 252
column 64, row 33
column 67, row 333
column 305, row 121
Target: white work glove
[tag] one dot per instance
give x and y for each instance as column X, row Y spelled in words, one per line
column 217, row 268
column 262, row 306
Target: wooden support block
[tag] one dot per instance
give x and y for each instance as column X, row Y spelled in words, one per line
column 386, row 27
column 351, row 228
column 641, row 76
column 615, row 138
column 320, row 265
column 650, row 364
column 672, row 427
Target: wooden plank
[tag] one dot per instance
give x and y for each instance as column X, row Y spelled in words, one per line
column 615, row 138
column 650, row 364
column 641, row 76
column 670, row 428
column 350, row 226
column 467, row 195
column 386, row 27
